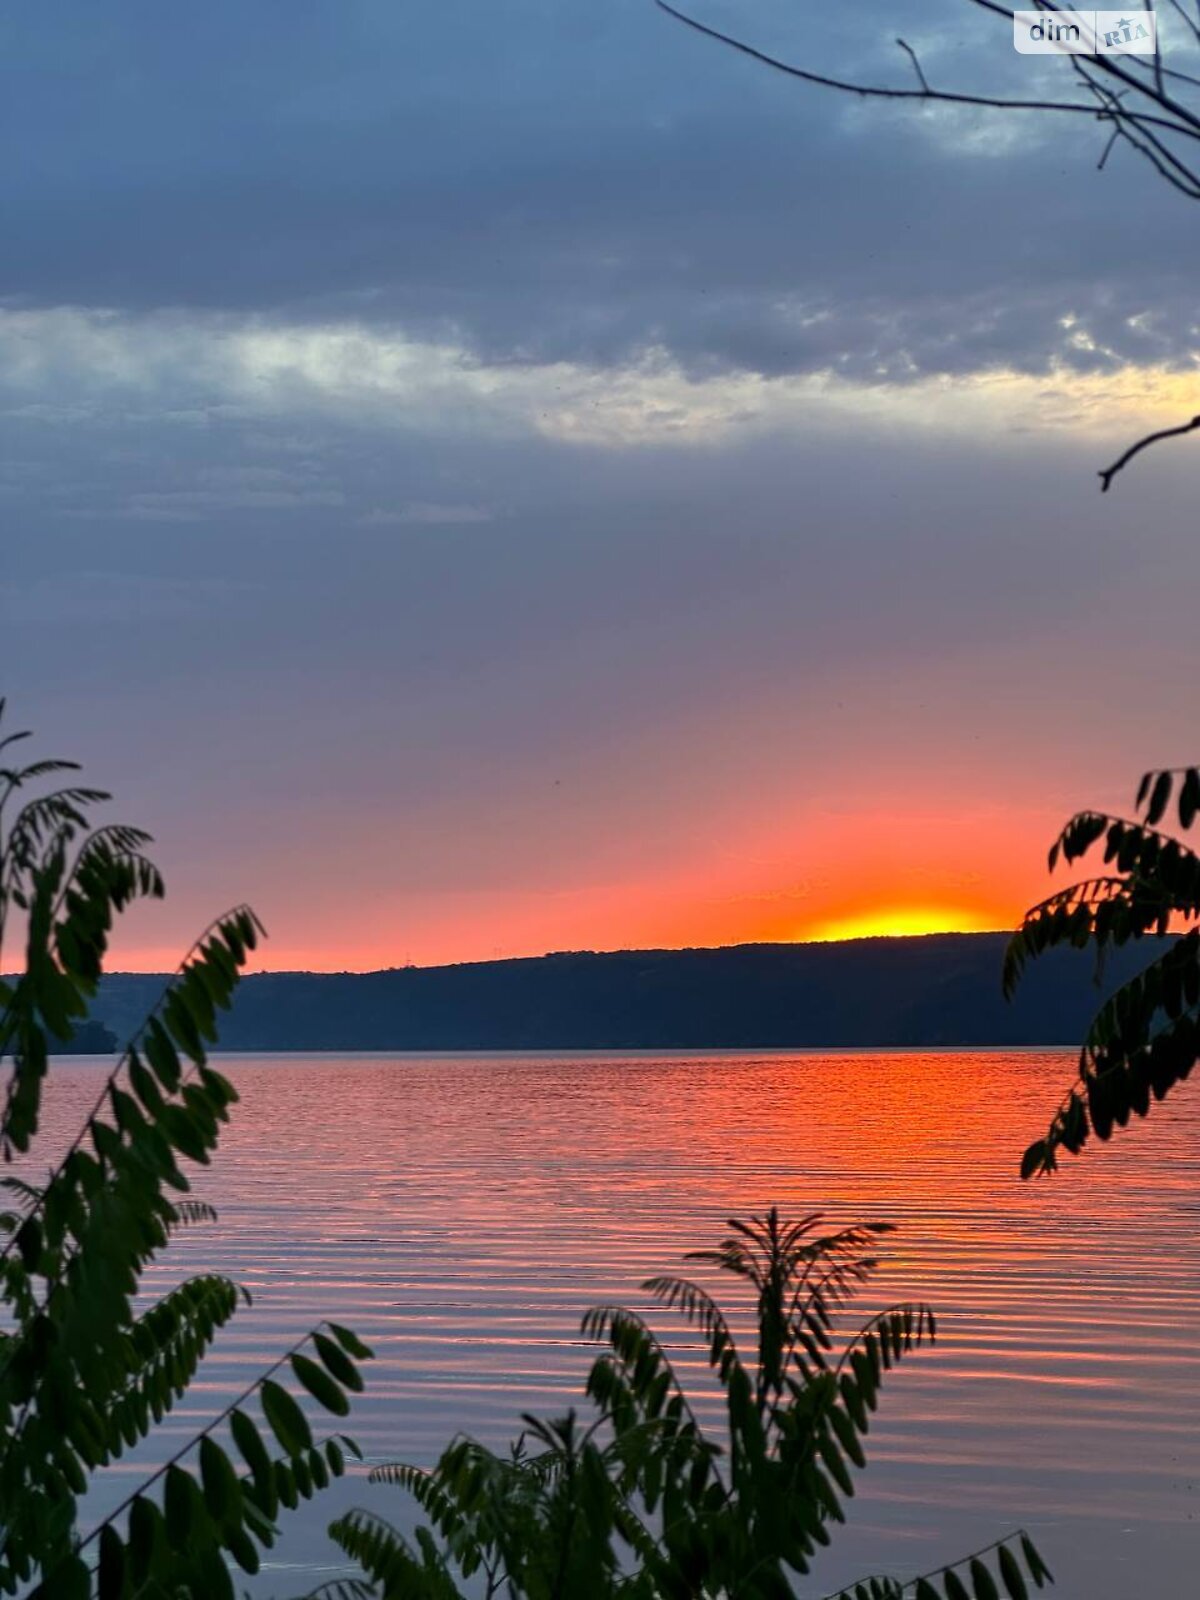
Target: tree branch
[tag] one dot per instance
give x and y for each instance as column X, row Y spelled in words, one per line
column 1180, row 120
column 1122, row 461
column 1154, row 117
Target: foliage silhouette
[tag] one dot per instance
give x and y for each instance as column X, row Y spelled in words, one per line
column 1146, row 1038
column 642, row 1502
column 85, row 1371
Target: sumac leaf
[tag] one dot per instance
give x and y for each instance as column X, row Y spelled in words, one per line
column 349, row 1341
column 983, row 1582
column 288, row 1422
column 1010, row 1571
column 110, row 1573
column 338, row 1362
column 1159, row 796
column 320, row 1385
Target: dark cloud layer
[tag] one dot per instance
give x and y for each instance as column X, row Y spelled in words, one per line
column 569, row 181
column 370, row 627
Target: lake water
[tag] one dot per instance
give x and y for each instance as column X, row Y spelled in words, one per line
column 460, row 1213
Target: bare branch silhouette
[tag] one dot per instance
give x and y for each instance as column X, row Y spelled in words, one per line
column 1109, row 473
column 1141, row 101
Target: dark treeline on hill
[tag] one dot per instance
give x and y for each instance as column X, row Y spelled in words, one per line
column 943, row 989
column 91, row 1039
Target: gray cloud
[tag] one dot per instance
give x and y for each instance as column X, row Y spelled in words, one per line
column 543, row 183
column 344, row 508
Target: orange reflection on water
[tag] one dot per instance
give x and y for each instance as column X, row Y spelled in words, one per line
column 460, row 1212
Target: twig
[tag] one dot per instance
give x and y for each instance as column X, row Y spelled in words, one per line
column 912, row 56
column 1109, row 473
column 1159, row 85
column 1107, row 151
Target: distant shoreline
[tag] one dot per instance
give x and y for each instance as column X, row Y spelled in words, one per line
column 934, row 991
column 693, row 1053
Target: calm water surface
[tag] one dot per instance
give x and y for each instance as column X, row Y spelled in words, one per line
column 460, row 1212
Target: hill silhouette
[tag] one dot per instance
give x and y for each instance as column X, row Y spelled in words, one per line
column 91, row 1038
column 939, row 989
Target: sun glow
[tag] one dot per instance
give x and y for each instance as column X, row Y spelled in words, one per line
column 897, row 921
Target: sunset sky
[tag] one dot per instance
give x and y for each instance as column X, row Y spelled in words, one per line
column 486, row 479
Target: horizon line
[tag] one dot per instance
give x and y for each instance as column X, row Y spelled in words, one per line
column 620, row 950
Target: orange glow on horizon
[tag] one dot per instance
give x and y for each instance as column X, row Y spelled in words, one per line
column 869, row 922
column 814, row 873
column 893, row 922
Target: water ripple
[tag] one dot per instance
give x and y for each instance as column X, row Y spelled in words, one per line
column 460, row 1212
